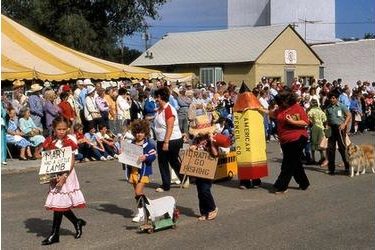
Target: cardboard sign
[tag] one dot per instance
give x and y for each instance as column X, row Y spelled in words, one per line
column 199, row 164
column 130, row 154
column 55, row 162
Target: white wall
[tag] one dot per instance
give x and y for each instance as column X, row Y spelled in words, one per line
column 322, row 11
column 248, row 13
column 274, row 12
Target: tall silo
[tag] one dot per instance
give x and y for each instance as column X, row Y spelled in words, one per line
column 313, row 20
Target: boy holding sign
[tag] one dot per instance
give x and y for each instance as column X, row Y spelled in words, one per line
column 140, row 176
column 64, row 193
column 204, row 140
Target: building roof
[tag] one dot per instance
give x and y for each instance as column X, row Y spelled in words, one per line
column 225, row 46
column 350, row 61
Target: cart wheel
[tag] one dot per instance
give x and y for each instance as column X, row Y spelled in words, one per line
column 150, row 230
column 230, row 175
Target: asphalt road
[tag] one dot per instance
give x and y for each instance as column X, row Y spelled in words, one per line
column 336, row 212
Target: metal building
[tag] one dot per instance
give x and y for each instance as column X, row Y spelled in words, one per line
column 313, row 20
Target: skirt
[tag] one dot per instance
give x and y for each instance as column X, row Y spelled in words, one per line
column 68, row 197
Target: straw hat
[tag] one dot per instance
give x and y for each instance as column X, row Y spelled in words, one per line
column 35, row 88
column 18, row 84
column 202, row 125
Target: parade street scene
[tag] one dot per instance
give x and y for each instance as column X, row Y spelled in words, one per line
column 174, row 124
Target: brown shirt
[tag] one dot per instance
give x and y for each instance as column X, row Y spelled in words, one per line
column 112, row 107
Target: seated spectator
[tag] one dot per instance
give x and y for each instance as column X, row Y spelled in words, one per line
column 107, row 142
column 15, row 136
column 31, row 132
column 82, row 143
column 66, row 109
column 96, row 148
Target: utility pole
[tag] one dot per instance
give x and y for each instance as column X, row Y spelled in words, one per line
column 146, row 36
column 305, row 21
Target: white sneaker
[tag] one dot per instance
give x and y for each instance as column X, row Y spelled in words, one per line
column 102, row 158
column 115, row 156
column 186, row 183
column 140, row 216
column 159, row 190
column 176, row 181
column 109, row 157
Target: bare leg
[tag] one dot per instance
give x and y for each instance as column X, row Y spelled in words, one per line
column 22, row 153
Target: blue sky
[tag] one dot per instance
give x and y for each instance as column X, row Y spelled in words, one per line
column 354, row 18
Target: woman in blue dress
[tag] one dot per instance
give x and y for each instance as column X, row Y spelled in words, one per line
column 3, row 140
column 31, row 132
column 15, row 136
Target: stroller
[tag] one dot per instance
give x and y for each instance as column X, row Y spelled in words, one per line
column 159, row 214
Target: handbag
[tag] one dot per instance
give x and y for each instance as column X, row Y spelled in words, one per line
column 96, row 115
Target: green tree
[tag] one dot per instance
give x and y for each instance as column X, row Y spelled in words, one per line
column 95, row 27
column 369, row 36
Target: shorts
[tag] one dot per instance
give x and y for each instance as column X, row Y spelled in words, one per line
column 134, row 177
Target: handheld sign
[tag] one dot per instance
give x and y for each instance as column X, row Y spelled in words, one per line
column 130, row 154
column 199, row 164
column 54, row 162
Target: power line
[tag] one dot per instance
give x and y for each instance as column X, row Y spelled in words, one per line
column 225, row 26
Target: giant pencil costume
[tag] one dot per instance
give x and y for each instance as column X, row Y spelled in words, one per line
column 250, row 136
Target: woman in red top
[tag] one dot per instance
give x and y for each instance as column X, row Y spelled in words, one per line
column 66, row 109
column 292, row 121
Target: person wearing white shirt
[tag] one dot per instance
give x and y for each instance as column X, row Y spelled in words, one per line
column 123, row 106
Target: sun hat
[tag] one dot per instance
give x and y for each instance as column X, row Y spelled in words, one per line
column 35, row 87
column 18, row 84
column 87, row 82
column 47, row 84
column 79, row 82
column 202, row 125
column 176, row 90
column 90, row 89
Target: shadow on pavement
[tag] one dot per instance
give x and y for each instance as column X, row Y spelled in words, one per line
column 228, row 183
column 114, row 209
column 43, row 227
column 187, row 211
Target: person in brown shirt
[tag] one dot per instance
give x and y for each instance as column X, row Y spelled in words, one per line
column 110, row 97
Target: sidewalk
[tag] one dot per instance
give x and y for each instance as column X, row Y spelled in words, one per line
column 16, row 165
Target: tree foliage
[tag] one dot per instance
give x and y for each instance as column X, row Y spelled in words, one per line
column 95, row 27
column 369, row 36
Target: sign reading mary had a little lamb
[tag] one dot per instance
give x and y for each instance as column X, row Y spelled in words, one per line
column 199, row 164
column 54, row 162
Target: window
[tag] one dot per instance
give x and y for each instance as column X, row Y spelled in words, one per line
column 321, row 72
column 306, row 80
column 210, row 75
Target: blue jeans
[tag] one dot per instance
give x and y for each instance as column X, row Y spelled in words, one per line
column 206, row 200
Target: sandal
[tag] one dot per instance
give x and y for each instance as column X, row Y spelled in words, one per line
column 202, row 218
column 324, row 164
column 213, row 214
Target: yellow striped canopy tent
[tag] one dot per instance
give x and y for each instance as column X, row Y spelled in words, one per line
column 28, row 55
